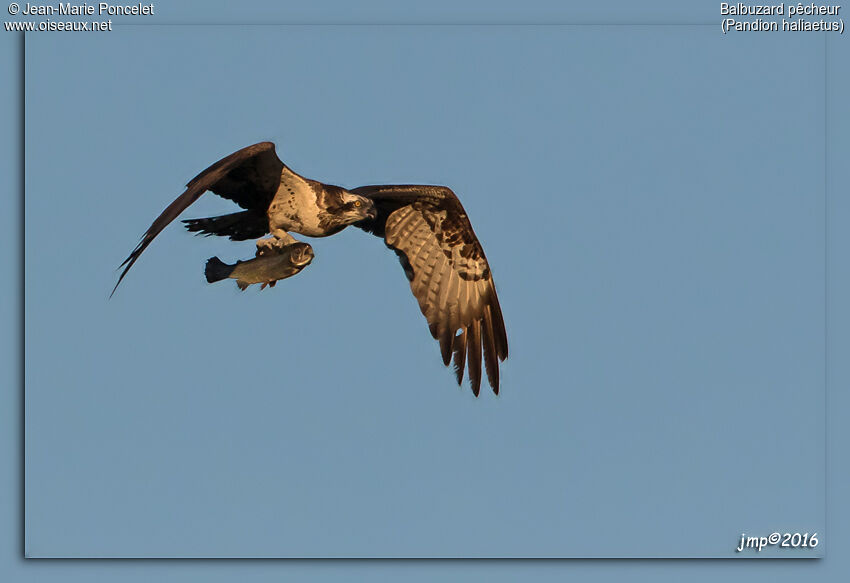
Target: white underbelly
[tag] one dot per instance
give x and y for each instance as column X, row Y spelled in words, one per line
column 295, row 211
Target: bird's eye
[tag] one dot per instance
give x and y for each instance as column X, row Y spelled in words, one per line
column 356, row 203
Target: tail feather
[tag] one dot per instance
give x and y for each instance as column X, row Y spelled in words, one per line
column 239, row 226
column 216, row 270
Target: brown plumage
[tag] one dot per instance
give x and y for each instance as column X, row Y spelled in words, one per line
column 276, row 199
column 249, row 177
column 428, row 228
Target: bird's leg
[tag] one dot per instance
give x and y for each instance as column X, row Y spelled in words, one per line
column 275, row 243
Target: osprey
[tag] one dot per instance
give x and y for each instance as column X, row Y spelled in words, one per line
column 426, row 226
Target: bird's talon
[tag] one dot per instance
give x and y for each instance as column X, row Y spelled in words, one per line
column 269, row 246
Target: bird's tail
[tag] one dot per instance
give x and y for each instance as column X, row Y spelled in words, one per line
column 216, row 270
column 239, row 226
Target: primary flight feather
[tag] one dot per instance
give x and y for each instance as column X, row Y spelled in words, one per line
column 426, row 226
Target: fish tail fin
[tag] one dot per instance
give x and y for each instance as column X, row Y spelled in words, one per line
column 216, row 270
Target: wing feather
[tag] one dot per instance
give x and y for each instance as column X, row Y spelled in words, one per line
column 460, row 355
column 489, row 346
column 448, row 272
column 249, row 177
column 451, row 307
column 473, row 354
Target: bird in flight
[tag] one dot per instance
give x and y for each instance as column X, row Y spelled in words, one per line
column 426, row 226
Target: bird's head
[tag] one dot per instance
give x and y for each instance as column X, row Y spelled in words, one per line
column 300, row 254
column 358, row 208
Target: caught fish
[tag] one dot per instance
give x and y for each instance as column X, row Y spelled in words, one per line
column 266, row 269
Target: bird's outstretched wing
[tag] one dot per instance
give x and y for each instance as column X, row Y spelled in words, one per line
column 448, row 272
column 249, row 177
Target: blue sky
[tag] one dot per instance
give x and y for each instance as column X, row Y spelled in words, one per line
column 659, row 309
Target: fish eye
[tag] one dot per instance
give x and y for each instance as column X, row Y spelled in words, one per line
column 356, row 203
